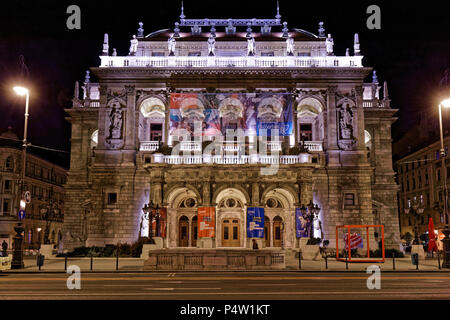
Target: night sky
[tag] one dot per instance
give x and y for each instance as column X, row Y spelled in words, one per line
column 411, row 51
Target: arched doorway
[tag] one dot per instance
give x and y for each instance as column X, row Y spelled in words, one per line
column 194, row 231
column 267, row 231
column 183, row 232
column 277, row 231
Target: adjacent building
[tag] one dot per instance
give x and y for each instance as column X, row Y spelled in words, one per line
column 45, row 182
column 218, row 120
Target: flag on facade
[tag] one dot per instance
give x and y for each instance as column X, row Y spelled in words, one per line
column 431, row 236
column 356, row 241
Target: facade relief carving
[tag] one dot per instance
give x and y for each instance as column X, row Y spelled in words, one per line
column 347, row 122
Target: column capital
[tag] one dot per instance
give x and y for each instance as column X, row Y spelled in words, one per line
column 129, row 89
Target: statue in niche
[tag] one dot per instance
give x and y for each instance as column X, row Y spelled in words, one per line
column 171, row 43
column 133, row 46
column 211, row 45
column 290, row 46
column 116, row 120
column 251, row 46
column 346, row 122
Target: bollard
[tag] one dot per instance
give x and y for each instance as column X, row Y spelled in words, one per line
column 92, row 261
column 346, row 262
column 326, row 262
column 393, row 260
column 299, row 260
column 439, row 260
column 65, row 262
column 417, row 265
column 117, row 259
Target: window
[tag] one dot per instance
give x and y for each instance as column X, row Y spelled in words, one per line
column 9, row 164
column 267, row 54
column 428, row 199
column 304, row 54
column 413, row 183
column 6, row 207
column 8, row 186
column 194, row 54
column 349, row 199
column 157, row 54
column 112, row 198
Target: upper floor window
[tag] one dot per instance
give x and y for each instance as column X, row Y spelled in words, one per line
column 9, row 164
column 267, row 54
column 157, row 54
column 304, row 54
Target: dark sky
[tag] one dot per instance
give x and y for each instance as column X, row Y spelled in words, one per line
column 411, row 51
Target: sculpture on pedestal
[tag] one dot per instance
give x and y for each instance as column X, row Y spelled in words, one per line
column 211, row 45
column 133, row 46
column 329, row 42
column 251, row 46
column 171, row 43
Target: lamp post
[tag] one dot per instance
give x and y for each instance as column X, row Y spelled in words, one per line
column 17, row 261
column 446, row 231
column 310, row 213
column 416, row 209
column 151, row 212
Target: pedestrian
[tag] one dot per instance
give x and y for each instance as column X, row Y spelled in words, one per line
column 5, row 248
column 255, row 245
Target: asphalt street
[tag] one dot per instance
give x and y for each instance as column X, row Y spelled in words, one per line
column 224, row 286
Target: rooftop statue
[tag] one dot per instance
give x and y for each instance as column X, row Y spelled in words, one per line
column 133, row 46
column 211, row 45
column 251, row 46
column 329, row 44
column 171, row 43
column 290, row 46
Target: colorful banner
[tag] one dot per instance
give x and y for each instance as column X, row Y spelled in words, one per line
column 206, row 222
column 301, row 225
column 214, row 113
column 356, row 241
column 255, row 222
column 162, row 224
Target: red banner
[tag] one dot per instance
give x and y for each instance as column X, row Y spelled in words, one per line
column 206, row 222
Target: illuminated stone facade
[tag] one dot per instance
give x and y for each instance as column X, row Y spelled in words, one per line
column 120, row 121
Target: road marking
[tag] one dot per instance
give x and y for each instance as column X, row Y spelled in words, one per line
column 171, row 289
column 272, row 284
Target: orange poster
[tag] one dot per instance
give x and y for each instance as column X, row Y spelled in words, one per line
column 206, row 222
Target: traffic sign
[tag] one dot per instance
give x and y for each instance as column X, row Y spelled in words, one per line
column 21, row 214
column 27, row 197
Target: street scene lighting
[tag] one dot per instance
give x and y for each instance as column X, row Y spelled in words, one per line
column 21, row 91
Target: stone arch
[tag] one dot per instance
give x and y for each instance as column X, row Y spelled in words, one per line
column 310, row 118
column 152, row 106
column 313, row 103
column 285, row 195
column 179, row 192
column 244, row 196
column 346, row 100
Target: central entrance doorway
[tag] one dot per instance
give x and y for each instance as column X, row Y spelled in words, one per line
column 230, row 232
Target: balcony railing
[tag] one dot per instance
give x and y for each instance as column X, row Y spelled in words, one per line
column 230, row 62
column 313, row 146
column 149, row 146
column 246, row 159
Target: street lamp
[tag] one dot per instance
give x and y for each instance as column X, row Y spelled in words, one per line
column 446, row 241
column 310, row 213
column 416, row 209
column 17, row 261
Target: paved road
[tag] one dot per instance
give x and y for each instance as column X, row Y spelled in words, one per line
column 225, row 286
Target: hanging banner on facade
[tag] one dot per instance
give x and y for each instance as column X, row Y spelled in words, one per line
column 255, row 222
column 215, row 113
column 206, row 222
column 301, row 225
column 159, row 225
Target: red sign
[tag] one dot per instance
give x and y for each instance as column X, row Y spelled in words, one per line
column 206, row 222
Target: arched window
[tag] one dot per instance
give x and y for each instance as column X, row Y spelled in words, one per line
column 94, row 139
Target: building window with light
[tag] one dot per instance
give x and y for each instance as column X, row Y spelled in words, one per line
column 112, row 198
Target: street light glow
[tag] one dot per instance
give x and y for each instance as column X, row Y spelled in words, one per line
column 446, row 103
column 21, row 91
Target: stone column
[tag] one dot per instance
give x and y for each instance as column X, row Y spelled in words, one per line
column 255, row 194
column 332, row 128
column 166, row 125
column 359, row 119
column 130, row 129
column 102, row 119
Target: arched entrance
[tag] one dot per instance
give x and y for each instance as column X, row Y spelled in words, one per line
column 183, row 232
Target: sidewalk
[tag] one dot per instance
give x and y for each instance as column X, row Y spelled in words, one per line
column 136, row 265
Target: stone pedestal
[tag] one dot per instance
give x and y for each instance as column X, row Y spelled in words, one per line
column 158, row 245
column 205, row 243
column 418, row 248
column 47, row 250
column 311, row 252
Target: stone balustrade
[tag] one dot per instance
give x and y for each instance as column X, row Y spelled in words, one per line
column 215, row 259
column 233, row 159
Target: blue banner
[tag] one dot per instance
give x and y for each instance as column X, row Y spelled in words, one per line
column 301, row 225
column 255, row 222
